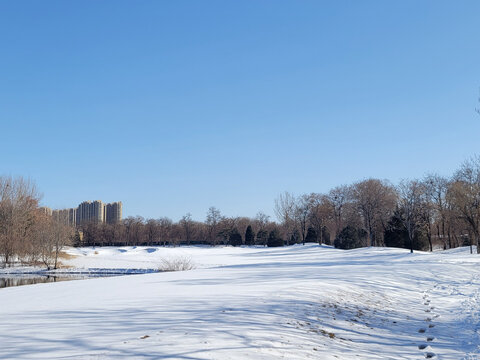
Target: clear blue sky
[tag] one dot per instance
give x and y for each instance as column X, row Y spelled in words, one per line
column 176, row 106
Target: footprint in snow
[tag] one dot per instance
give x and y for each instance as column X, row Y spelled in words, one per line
column 431, row 326
column 430, row 338
column 421, row 331
column 429, row 355
column 422, row 346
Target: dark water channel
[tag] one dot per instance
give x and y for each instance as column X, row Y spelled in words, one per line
column 20, row 280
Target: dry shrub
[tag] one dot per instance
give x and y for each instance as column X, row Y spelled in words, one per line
column 177, row 264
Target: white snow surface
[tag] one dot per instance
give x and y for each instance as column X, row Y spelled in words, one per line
column 299, row 302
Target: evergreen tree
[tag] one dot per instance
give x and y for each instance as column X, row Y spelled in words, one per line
column 235, row 238
column 249, row 236
column 350, row 238
column 295, row 238
column 262, row 237
column 274, row 239
column 325, row 237
column 311, row 235
column 396, row 234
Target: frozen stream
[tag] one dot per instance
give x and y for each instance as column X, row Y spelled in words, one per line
column 19, row 280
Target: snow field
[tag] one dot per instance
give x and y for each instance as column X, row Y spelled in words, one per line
column 297, row 302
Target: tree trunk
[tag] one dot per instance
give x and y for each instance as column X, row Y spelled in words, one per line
column 477, row 238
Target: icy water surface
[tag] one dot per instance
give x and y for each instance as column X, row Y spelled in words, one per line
column 20, row 280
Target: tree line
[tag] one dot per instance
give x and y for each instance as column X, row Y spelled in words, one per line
column 423, row 214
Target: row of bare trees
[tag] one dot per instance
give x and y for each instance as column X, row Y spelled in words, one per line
column 27, row 234
column 417, row 214
column 424, row 214
column 215, row 230
column 366, row 205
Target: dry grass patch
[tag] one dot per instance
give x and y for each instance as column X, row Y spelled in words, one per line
column 65, row 256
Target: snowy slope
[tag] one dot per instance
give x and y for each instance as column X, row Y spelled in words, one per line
column 298, row 302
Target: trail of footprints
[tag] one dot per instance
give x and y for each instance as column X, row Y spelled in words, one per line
column 429, row 325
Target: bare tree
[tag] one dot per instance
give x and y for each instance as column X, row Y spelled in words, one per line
column 175, row 234
column 53, row 235
column 410, row 200
column 375, row 200
column 428, row 212
column 261, row 224
column 319, row 215
column 213, row 219
column 165, row 230
column 339, row 199
column 18, row 203
column 152, row 232
column 62, row 235
column 437, row 188
column 285, row 210
column 187, row 225
column 31, row 251
column 303, row 207
column 134, row 230
column 465, row 196
column 119, row 236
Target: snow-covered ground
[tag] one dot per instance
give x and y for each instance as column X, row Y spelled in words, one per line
column 296, row 302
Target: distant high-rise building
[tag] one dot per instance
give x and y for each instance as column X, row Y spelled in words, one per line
column 46, row 210
column 66, row 216
column 72, row 217
column 113, row 212
column 89, row 211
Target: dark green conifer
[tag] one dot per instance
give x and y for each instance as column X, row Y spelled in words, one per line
column 235, row 238
column 274, row 239
column 249, row 236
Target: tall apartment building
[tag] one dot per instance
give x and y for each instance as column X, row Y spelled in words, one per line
column 113, row 212
column 67, row 216
column 90, row 211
